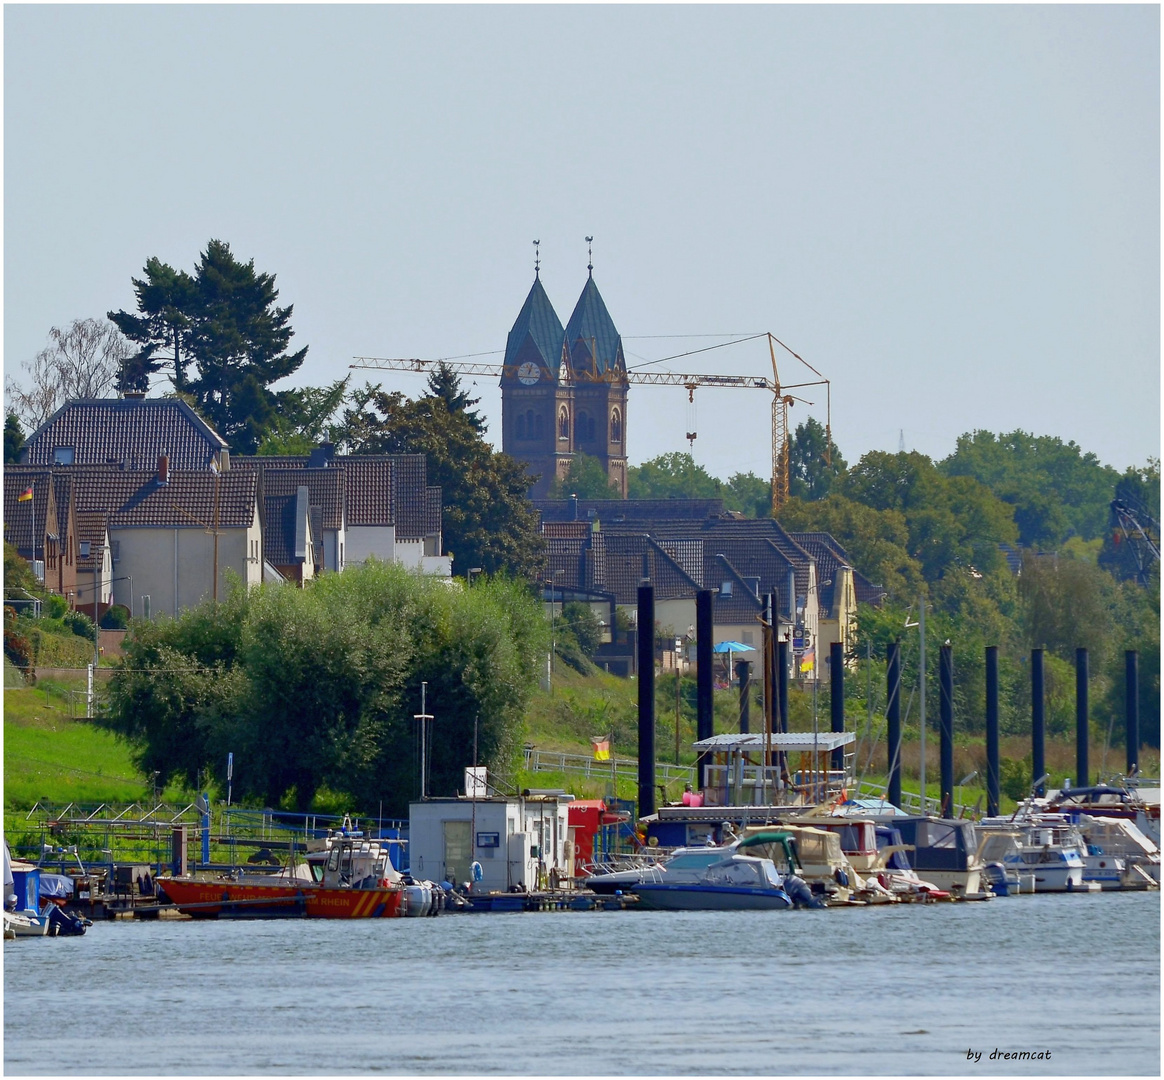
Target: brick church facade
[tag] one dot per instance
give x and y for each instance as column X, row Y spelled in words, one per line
column 564, row 390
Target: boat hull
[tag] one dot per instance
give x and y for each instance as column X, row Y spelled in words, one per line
column 676, row 897
column 225, row 899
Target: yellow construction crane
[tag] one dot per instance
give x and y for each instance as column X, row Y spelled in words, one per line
column 781, row 398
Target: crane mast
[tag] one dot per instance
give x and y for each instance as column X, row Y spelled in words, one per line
column 781, row 400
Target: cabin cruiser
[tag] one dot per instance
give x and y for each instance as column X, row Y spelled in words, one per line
column 878, row 854
column 1044, row 850
column 943, row 851
column 1139, row 805
column 1119, row 839
column 683, row 864
column 736, row 881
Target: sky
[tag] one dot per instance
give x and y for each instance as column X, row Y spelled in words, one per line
column 951, row 212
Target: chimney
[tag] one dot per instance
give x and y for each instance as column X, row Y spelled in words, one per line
column 163, row 469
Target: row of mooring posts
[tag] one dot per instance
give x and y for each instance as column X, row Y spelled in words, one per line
column 1038, row 723
column 776, row 699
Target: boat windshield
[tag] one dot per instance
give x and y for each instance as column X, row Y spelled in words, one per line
column 694, row 860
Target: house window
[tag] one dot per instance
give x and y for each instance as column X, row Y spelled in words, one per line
column 564, row 423
column 86, row 547
column 616, row 426
column 63, row 455
column 115, row 550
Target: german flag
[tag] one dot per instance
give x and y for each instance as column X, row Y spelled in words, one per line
column 25, row 495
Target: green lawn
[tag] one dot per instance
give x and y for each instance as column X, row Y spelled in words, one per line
column 52, row 754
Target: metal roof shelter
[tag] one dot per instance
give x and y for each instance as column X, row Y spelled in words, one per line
column 735, row 780
column 792, row 742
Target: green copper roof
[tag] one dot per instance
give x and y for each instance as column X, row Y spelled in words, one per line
column 537, row 322
column 594, row 344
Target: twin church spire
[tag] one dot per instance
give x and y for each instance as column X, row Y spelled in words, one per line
column 564, row 388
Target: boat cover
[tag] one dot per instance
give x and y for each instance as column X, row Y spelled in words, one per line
column 56, row 885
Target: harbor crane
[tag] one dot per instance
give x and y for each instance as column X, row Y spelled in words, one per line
column 782, row 399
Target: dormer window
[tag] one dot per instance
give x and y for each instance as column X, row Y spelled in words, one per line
column 725, row 589
column 86, row 546
column 63, row 455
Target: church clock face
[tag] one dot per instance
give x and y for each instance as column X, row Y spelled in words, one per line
column 529, row 373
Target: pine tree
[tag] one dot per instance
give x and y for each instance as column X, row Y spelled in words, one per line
column 445, row 384
column 226, row 336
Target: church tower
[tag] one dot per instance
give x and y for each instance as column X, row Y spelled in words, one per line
column 532, row 394
column 593, row 353
column 564, row 391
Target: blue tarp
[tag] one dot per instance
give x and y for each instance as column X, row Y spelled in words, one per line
column 57, row 885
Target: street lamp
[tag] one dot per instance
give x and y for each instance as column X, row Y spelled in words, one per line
column 553, row 626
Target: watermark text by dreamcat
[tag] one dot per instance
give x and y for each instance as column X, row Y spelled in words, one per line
column 1009, row 1055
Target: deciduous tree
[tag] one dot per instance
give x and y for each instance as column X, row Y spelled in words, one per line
column 814, row 461
column 82, row 360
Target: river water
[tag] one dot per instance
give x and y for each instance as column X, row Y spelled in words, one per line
column 902, row 990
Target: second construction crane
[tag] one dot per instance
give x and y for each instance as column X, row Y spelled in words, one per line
column 782, row 398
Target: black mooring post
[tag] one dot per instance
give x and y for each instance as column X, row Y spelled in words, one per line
column 781, row 717
column 782, row 684
column 1038, row 719
column 1082, row 730
column 646, row 700
column 1132, row 708
column 893, row 719
column 705, row 676
column 837, row 699
column 946, row 672
column 744, row 677
column 992, row 777
column 771, row 709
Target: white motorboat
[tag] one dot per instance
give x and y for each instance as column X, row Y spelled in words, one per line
column 1044, row 848
column 1119, row 855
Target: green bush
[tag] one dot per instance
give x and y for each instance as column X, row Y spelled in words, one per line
column 55, row 606
column 1015, row 778
column 80, row 624
column 116, row 618
column 584, row 625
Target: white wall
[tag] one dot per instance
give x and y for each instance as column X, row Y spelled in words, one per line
column 368, row 540
column 174, row 567
column 539, row 821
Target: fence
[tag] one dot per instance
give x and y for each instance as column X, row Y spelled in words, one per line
column 621, row 768
column 912, row 802
column 139, row 833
